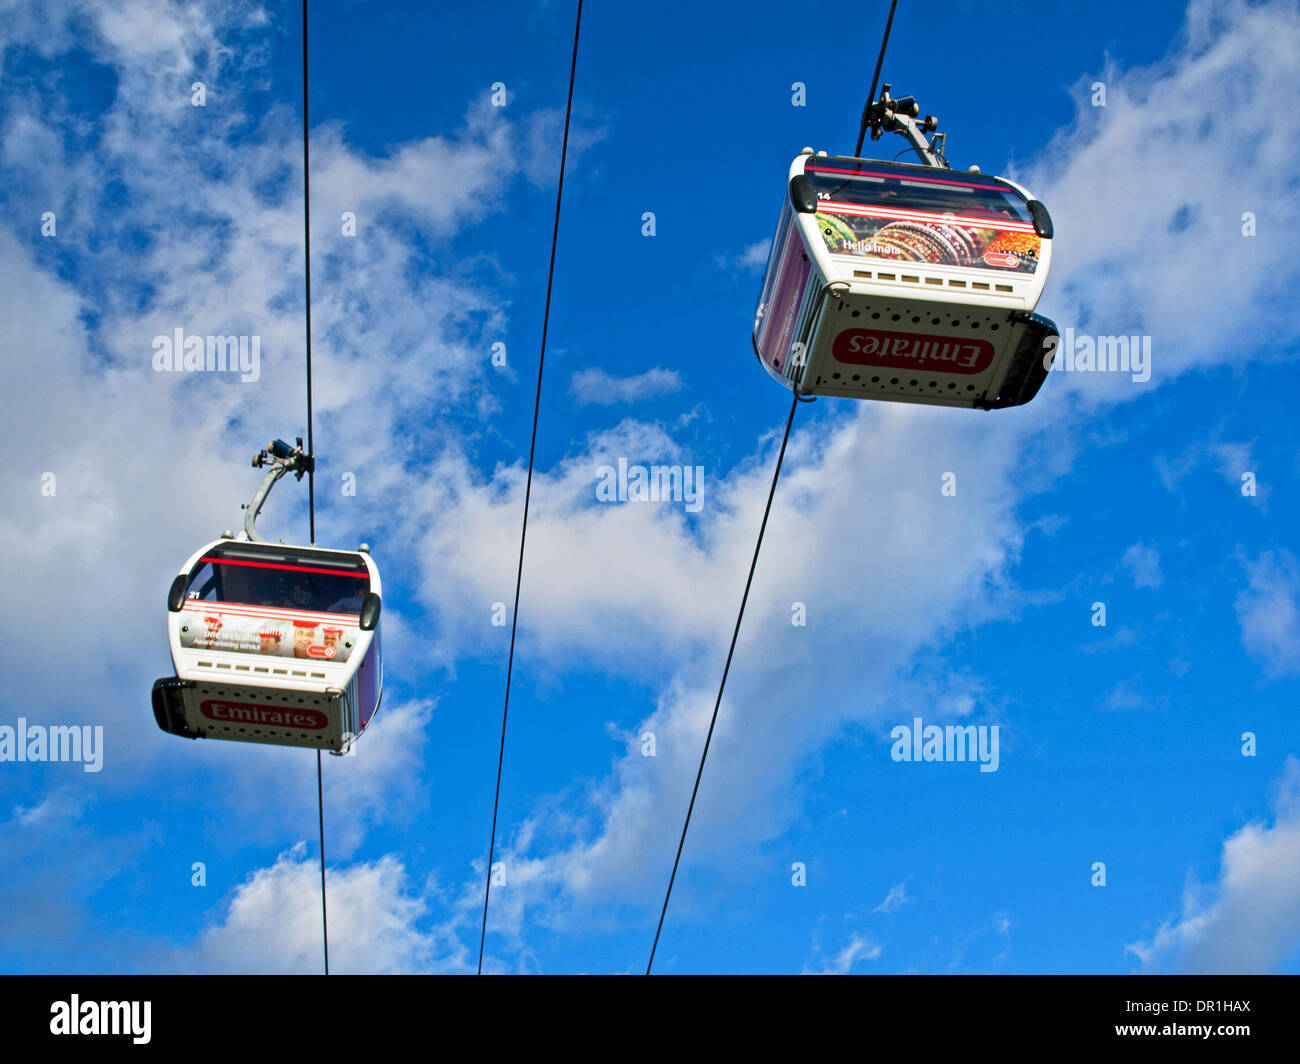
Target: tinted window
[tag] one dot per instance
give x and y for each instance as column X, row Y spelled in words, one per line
column 915, row 189
column 281, row 578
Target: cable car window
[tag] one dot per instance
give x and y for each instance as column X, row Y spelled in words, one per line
column 203, row 584
column 850, row 181
column 899, row 213
column 296, row 580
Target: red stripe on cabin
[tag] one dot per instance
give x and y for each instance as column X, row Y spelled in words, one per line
column 243, row 609
column 291, row 568
column 926, row 217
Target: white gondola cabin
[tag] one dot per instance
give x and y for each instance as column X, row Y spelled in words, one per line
column 273, row 644
column 907, row 283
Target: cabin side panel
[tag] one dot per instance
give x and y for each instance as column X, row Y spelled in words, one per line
column 369, row 682
column 783, row 294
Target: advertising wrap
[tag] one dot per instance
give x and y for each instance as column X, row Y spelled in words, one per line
column 323, row 637
column 877, row 213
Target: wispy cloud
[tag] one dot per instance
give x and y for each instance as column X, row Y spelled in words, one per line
column 750, row 261
column 1269, row 612
column 857, row 949
column 895, row 899
column 598, row 387
column 1143, row 564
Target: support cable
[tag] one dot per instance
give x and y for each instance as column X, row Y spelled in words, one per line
column 875, row 78
column 862, row 132
column 528, row 489
column 780, row 458
column 311, row 451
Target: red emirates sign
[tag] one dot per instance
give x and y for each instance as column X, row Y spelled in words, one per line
column 1008, row 259
column 918, row 351
column 267, row 716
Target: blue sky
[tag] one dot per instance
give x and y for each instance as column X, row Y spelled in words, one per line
column 1119, row 744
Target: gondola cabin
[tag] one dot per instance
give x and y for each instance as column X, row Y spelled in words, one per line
column 909, row 283
column 273, row 644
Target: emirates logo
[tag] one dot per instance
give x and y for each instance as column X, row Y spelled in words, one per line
column 266, row 716
column 916, row 351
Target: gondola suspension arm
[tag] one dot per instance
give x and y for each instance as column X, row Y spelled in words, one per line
column 282, row 459
column 888, row 115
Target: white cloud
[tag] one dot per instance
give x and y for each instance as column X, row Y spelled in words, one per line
column 754, row 257
column 1269, row 612
column 379, row 783
column 1248, row 921
column 438, row 182
column 596, row 386
column 624, row 585
column 545, row 134
column 272, row 923
column 1126, row 695
column 1232, row 461
column 60, row 807
column 1143, row 563
column 896, row 898
column 857, row 949
column 1124, row 178
column 749, row 262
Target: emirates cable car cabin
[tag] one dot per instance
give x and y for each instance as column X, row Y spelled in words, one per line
column 273, row 643
column 908, row 283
